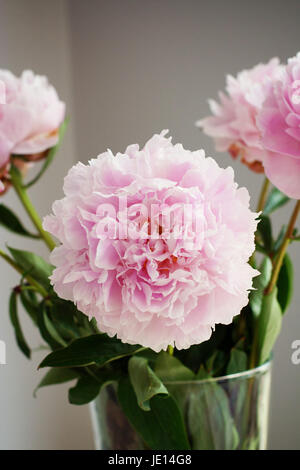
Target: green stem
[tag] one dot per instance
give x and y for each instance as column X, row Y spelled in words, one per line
column 252, row 361
column 31, row 281
column 286, row 241
column 263, row 195
column 171, row 350
column 275, row 273
column 27, row 204
column 260, row 206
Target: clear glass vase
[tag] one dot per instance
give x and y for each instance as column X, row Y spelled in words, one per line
column 224, row 413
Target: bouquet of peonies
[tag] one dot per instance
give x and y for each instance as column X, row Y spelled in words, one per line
column 165, row 292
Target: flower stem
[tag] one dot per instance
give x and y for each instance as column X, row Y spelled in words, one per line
column 275, row 273
column 263, row 195
column 252, row 361
column 27, row 204
column 286, row 241
column 170, row 350
column 260, row 206
column 31, row 281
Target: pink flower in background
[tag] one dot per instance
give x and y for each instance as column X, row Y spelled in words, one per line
column 2, row 187
column 2, row 92
column 30, row 116
column 279, row 122
column 154, row 280
column 233, row 124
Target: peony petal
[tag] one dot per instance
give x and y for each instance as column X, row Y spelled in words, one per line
column 284, row 172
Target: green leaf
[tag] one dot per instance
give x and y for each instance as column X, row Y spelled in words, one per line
column 47, row 329
column 148, row 354
column 279, row 239
column 144, row 381
column 161, row 428
column 275, row 200
column 169, row 368
column 94, row 349
column 269, row 325
column 259, row 284
column 85, row 390
column 30, row 305
column 66, row 319
column 50, row 155
column 216, row 363
column 69, row 321
column 209, row 419
column 264, row 233
column 238, row 362
column 285, row 283
column 11, row 222
column 199, row 353
column 13, row 311
column 252, row 443
column 34, row 265
column 56, row 376
column 202, row 373
column 238, row 390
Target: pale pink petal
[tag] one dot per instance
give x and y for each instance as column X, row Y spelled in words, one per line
column 284, row 172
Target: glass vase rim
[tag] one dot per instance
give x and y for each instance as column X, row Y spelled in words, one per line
column 263, row 368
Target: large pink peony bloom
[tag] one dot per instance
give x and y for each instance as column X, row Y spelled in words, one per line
column 279, row 122
column 30, row 116
column 154, row 244
column 233, row 124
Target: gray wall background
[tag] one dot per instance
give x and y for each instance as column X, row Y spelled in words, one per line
column 127, row 69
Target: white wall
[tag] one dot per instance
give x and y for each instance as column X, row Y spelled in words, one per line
column 127, row 69
column 34, row 34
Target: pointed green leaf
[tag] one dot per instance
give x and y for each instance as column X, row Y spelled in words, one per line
column 34, row 265
column 56, row 376
column 202, row 373
column 285, row 283
column 259, row 284
column 275, row 200
column 17, row 326
column 85, row 390
column 94, row 349
column 48, row 330
column 264, row 233
column 269, row 325
column 238, row 362
column 29, row 304
column 65, row 318
column 209, row 419
column 161, row 428
column 144, row 381
column 239, row 389
column 216, row 363
column 11, row 222
column 169, row 368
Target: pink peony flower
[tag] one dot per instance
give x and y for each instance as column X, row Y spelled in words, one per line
column 279, row 122
column 233, row 124
column 154, row 244
column 29, row 117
